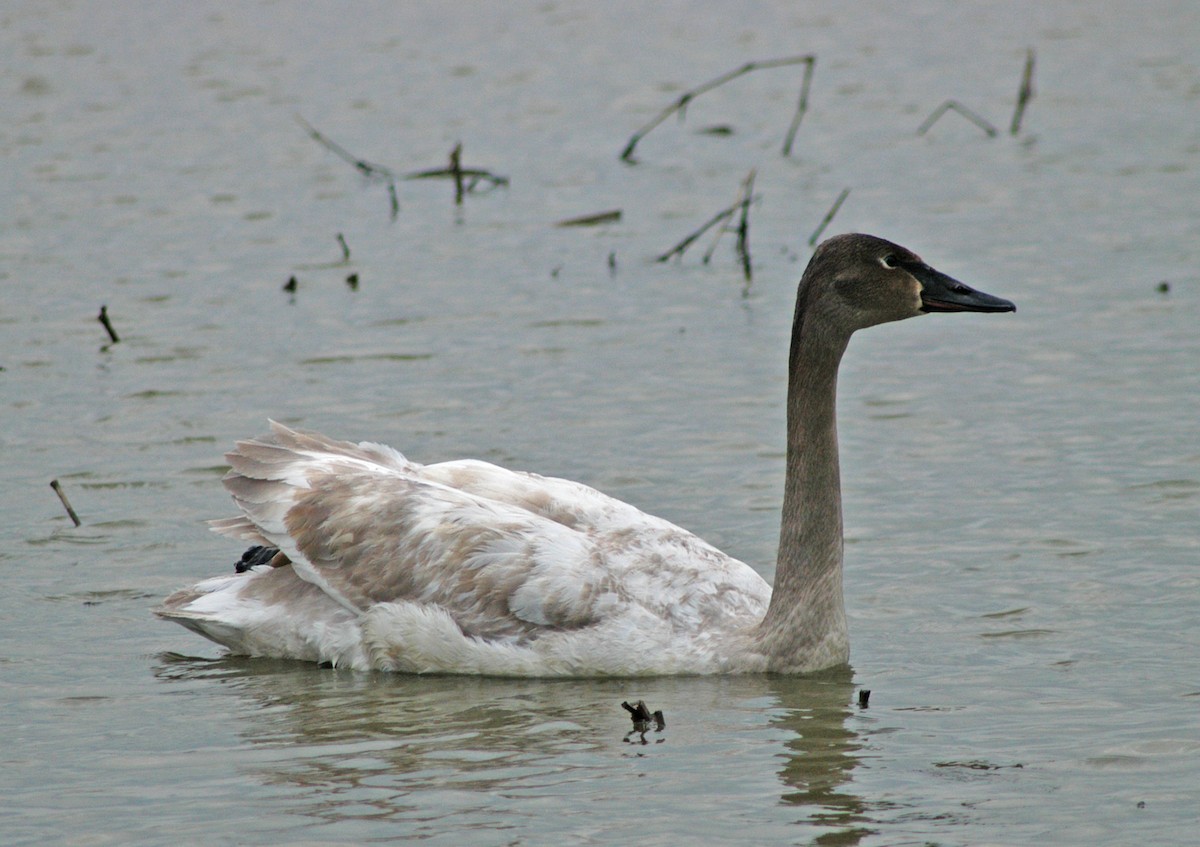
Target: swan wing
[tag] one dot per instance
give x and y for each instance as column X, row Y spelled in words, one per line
column 507, row 555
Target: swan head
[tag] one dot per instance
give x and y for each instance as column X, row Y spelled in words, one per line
column 858, row 280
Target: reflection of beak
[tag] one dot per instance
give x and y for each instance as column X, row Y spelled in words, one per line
column 941, row 293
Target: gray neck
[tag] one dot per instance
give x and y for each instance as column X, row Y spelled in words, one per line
column 805, row 624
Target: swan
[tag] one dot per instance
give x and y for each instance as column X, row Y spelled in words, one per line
column 365, row 559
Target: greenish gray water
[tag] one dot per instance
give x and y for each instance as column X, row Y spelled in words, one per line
column 1022, row 492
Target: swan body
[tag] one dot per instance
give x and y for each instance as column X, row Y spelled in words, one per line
column 372, row 561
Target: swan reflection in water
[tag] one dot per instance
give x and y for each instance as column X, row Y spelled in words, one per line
column 438, row 755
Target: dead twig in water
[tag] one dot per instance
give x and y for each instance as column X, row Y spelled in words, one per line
column 680, row 248
column 456, row 172
column 611, row 216
column 341, row 239
column 681, row 103
column 466, row 180
column 801, row 107
column 103, row 318
column 1025, row 94
column 719, row 218
column 743, row 230
column 742, row 204
column 954, row 105
column 62, row 495
column 833, row 210
column 367, row 169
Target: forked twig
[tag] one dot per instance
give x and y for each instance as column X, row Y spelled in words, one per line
column 680, row 248
column 954, row 105
column 681, row 103
column 801, row 106
column 740, row 207
column 466, row 180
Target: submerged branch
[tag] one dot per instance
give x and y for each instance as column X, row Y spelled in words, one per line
column 954, row 105
column 801, row 107
column 741, row 208
column 680, row 248
column 466, row 180
column 681, row 103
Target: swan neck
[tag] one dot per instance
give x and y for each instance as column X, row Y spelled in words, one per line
column 805, row 623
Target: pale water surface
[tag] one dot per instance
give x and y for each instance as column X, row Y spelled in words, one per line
column 1022, row 491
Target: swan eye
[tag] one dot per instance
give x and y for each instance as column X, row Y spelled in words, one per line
column 889, row 261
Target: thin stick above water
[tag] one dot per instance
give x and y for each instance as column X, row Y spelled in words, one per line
column 743, row 230
column 466, row 180
column 1024, row 94
column 103, row 318
column 62, row 495
column 955, row 106
column 681, row 103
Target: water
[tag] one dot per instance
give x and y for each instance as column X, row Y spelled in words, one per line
column 1021, row 491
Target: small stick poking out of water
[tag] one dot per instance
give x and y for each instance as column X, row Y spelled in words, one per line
column 743, row 230
column 103, row 318
column 955, row 106
column 864, row 697
column 66, row 503
column 341, row 239
column 801, row 107
column 833, row 210
column 1025, row 94
column 746, row 196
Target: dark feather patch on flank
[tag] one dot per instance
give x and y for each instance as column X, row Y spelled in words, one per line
column 256, row 555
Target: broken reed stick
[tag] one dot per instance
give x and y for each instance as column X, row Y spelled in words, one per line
column 680, row 248
column 66, row 503
column 1024, row 94
column 738, row 204
column 743, row 230
column 954, row 105
column 833, row 210
column 611, row 216
column 456, row 173
column 103, row 318
column 681, row 103
column 801, row 107
column 466, row 180
column 341, row 239
column 367, row 169
column 395, row 200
